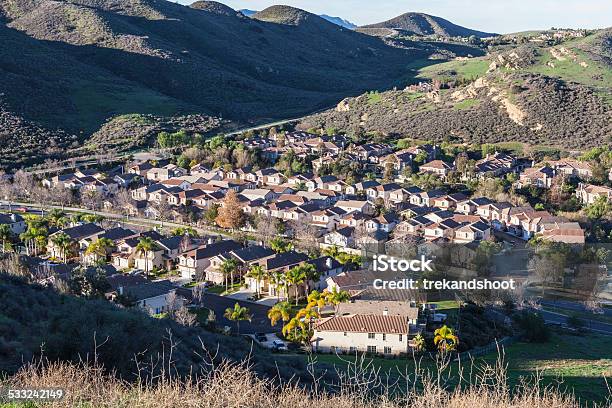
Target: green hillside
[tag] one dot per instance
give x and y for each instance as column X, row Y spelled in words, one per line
column 548, row 95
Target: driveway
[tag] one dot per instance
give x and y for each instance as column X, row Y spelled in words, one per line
column 258, row 324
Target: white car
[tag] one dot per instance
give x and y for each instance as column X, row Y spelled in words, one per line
column 279, row 345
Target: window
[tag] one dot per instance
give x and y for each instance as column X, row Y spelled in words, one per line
column 400, row 337
column 387, row 350
column 384, row 336
column 371, row 336
column 372, row 349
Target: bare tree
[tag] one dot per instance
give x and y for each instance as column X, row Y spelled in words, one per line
column 305, row 234
column 184, row 317
column 265, row 227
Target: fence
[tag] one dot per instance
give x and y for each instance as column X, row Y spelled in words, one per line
column 491, row 347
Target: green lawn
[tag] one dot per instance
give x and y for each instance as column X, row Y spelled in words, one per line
column 574, row 363
column 220, row 289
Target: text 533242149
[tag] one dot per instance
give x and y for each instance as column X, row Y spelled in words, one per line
column 12, row 394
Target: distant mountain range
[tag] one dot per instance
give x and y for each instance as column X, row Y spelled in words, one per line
column 336, row 20
column 424, row 24
column 67, row 67
column 102, row 75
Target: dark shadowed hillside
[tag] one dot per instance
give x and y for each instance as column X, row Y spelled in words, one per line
column 424, row 24
column 37, row 321
column 72, row 65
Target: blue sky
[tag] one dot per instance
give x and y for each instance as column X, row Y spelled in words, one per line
column 502, row 16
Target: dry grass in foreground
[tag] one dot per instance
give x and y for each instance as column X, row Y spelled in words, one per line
column 230, row 385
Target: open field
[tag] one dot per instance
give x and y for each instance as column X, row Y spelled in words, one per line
column 577, row 364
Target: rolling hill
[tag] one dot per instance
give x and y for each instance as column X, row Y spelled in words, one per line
column 73, row 65
column 555, row 96
column 424, row 24
column 336, row 20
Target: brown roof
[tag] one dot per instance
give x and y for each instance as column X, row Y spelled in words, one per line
column 365, row 324
column 378, row 307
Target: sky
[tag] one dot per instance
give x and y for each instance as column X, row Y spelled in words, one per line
column 500, row 16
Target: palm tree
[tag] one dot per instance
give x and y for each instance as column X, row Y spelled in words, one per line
column 312, row 274
column 316, row 299
column 258, row 273
column 332, row 251
column 228, row 267
column 63, row 242
column 295, row 276
column 336, row 297
column 419, row 343
column 100, row 248
column 445, row 339
column 280, row 246
column 57, row 217
column 5, row 235
column 144, row 247
column 237, row 314
column 35, row 235
column 278, row 278
column 280, row 311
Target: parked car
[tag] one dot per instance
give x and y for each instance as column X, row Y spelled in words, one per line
column 279, row 345
column 261, row 337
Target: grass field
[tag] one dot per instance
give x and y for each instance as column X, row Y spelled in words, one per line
column 472, row 68
column 577, row 364
column 466, row 104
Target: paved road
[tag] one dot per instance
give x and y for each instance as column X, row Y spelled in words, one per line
column 593, row 325
column 35, row 209
column 84, row 161
column 258, row 324
column 573, row 306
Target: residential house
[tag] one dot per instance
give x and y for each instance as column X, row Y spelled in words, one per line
column 154, row 297
column 366, row 333
column 536, row 176
column 15, row 222
column 437, row 167
column 588, row 193
column 193, row 263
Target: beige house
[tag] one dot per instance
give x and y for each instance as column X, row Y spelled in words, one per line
column 193, row 264
column 437, row 167
column 376, row 334
column 588, row 193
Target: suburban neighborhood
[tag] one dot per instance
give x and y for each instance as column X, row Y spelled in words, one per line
column 297, row 236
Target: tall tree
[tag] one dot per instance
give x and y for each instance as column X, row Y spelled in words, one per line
column 258, row 273
column 228, row 267
column 145, row 246
column 280, row 311
column 5, row 236
column 63, row 242
column 237, row 314
column 230, row 214
column 295, row 277
column 99, row 249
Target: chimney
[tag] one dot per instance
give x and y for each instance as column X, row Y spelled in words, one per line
column 14, row 217
column 210, row 240
column 386, row 312
column 328, row 262
column 120, row 290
